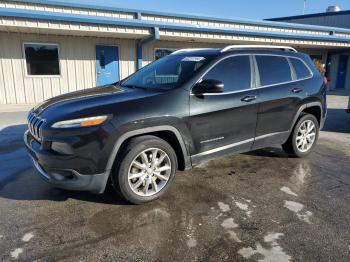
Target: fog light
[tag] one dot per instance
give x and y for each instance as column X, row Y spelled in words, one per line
column 62, row 175
column 62, row 148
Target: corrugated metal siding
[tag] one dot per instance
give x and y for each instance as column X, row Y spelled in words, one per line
column 77, row 65
column 213, row 23
column 213, row 37
column 62, row 28
column 161, row 18
column 342, row 21
column 66, row 28
column 69, row 10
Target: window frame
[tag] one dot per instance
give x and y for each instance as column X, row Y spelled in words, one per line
column 293, row 75
column 25, row 60
column 252, row 78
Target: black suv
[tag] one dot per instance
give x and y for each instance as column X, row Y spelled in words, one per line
column 188, row 107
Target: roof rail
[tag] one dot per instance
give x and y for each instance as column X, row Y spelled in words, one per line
column 227, row 48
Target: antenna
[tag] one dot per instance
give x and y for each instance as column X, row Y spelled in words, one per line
column 304, row 10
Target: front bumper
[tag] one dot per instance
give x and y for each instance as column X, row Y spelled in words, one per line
column 63, row 178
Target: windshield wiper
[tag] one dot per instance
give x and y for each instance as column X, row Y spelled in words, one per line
column 134, row 86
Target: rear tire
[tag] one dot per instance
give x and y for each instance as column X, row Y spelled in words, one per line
column 145, row 169
column 303, row 137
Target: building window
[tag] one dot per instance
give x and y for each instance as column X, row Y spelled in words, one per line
column 42, row 59
column 161, row 52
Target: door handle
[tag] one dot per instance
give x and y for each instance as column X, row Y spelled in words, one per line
column 297, row 90
column 248, row 98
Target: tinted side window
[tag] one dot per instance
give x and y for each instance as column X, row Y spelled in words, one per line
column 234, row 72
column 300, row 68
column 273, row 70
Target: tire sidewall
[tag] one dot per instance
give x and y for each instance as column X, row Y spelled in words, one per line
column 295, row 133
column 122, row 172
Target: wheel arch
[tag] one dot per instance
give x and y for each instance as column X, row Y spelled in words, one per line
column 314, row 108
column 168, row 133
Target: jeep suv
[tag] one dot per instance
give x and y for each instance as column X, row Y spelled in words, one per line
column 188, row 107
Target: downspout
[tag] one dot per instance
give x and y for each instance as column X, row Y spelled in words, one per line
column 155, row 36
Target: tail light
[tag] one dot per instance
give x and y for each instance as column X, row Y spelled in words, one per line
column 325, row 80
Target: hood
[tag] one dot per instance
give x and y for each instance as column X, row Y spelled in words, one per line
column 94, row 101
column 77, row 95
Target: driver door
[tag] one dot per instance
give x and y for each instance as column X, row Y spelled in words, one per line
column 224, row 123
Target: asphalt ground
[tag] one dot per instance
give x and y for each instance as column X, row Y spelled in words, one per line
column 256, row 206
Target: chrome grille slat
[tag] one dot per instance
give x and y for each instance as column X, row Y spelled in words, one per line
column 30, row 124
column 34, row 127
column 38, row 128
column 35, row 124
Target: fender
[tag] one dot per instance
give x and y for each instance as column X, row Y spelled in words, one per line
column 144, row 131
column 301, row 108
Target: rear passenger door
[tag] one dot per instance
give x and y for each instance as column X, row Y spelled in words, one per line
column 225, row 122
column 279, row 99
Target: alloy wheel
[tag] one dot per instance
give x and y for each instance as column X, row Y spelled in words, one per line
column 149, row 172
column 306, row 136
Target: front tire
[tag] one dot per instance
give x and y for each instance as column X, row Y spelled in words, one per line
column 303, row 137
column 145, row 169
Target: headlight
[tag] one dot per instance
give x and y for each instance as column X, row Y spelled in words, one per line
column 81, row 122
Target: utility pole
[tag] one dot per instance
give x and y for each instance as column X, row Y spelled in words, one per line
column 304, row 10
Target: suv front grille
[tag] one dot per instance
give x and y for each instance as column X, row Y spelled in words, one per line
column 35, row 124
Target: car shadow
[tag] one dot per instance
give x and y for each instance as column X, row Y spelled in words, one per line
column 19, row 179
column 274, row 152
column 338, row 92
column 338, row 120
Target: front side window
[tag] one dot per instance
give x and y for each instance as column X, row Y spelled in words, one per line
column 234, row 72
column 273, row 70
column 300, row 68
column 167, row 73
column 42, row 59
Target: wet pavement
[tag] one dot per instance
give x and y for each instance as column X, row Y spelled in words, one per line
column 256, row 206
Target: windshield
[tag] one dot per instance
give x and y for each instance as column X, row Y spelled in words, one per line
column 166, row 73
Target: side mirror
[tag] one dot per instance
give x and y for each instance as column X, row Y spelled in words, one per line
column 208, row 86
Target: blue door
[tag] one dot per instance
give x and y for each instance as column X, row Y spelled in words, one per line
column 107, row 64
column 342, row 70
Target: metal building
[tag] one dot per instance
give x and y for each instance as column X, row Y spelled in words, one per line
column 338, row 61
column 48, row 48
column 333, row 17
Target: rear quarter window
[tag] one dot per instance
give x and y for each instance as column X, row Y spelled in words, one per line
column 300, row 69
column 273, row 70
